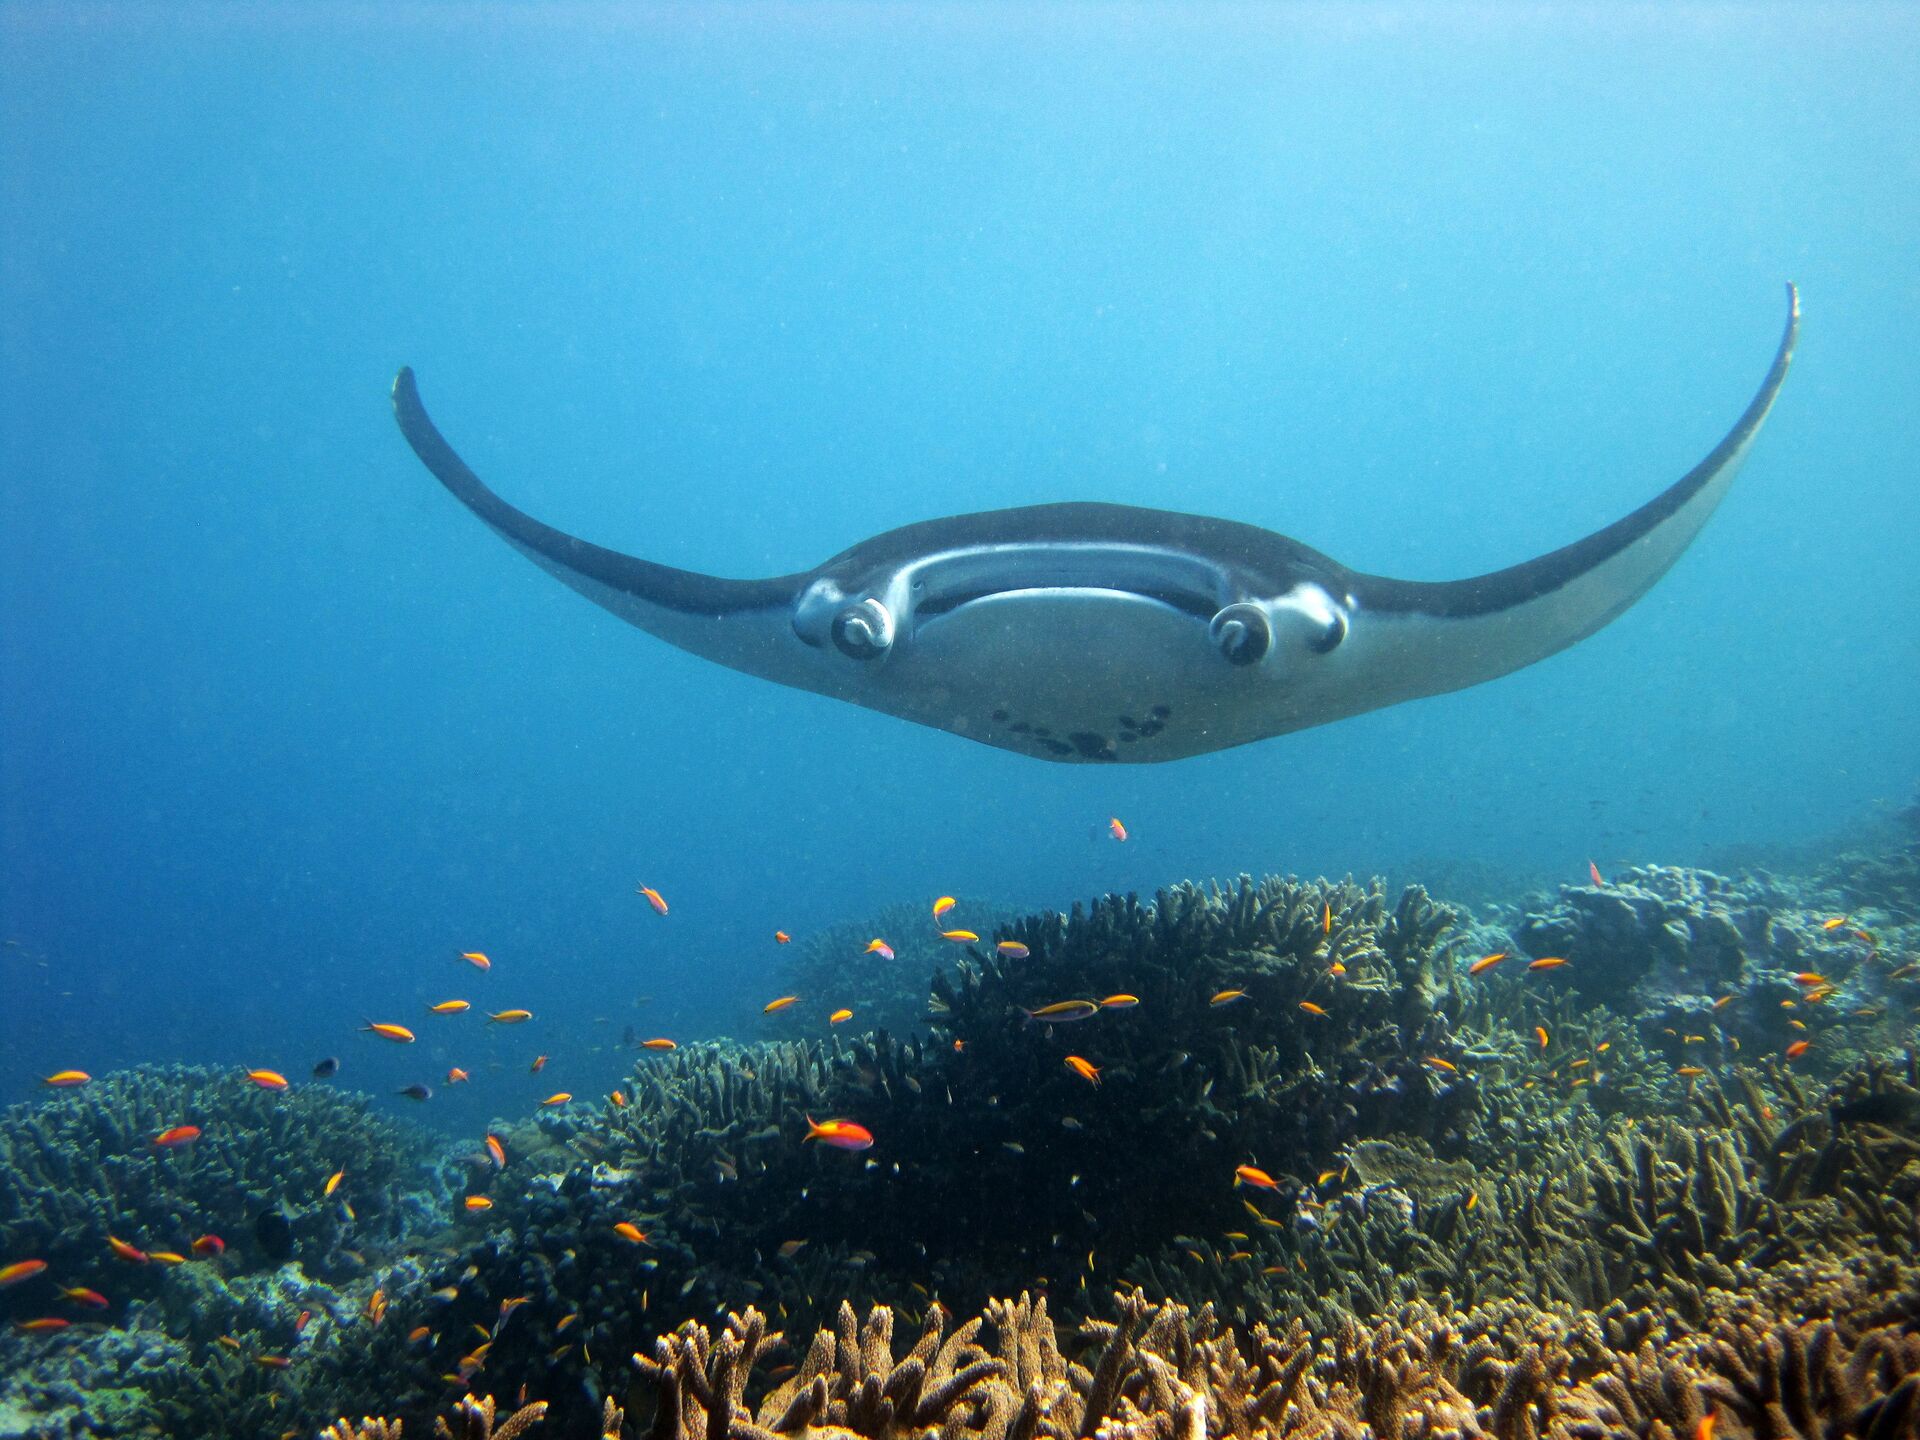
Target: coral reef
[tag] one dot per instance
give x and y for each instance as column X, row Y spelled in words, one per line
column 833, row 968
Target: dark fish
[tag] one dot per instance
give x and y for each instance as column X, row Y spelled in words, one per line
column 416, row 1092
column 273, row 1232
column 326, row 1069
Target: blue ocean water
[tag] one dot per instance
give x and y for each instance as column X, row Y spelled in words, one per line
column 1433, row 289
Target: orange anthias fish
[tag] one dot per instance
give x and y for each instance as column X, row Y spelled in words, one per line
column 477, row 1202
column 539, row 1064
column 1227, row 997
column 1798, row 1048
column 839, row 1016
column 509, row 1017
column 456, row 1075
column 560, row 1099
column 1311, row 1008
column 268, row 1079
column 1012, row 949
column 1085, row 1069
column 840, row 1134
column 1486, row 962
column 960, row 937
column 1441, row 1063
column 1540, row 1034
column 476, row 959
column 773, row 1006
column 942, row 905
column 208, row 1246
column 654, row 898
column 1116, row 829
column 497, row 1151
column 1809, row 979
column 45, row 1325
column 1065, row 1012
column 880, row 948
column 1834, row 924
column 132, row 1254
column 1593, row 873
column 1119, row 1002
column 1254, row 1176
column 659, row 1043
column 450, row 1007
column 176, row 1135
column 399, row 1034
column 780, row 937
column 630, row 1232
column 81, row 1295
column 1546, row 962
column 60, row 1080
column 619, row 1099
column 1326, row 919
column 333, row 1182
column 19, row 1271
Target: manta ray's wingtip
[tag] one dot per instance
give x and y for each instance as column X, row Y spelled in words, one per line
column 404, row 387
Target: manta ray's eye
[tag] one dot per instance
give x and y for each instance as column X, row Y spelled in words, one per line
column 863, row 631
column 1243, row 633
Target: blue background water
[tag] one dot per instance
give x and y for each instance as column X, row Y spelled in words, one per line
column 733, row 287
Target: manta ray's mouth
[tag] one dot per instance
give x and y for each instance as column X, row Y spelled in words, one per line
column 1200, row 607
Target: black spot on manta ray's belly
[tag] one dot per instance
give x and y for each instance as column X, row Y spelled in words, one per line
column 1087, row 744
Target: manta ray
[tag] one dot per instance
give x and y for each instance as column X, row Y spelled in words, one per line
column 1089, row 632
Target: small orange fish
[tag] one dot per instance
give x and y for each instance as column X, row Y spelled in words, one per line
column 497, row 1152
column 1227, row 997
column 1704, row 1430
column 839, row 1017
column 1311, row 1008
column 333, row 1182
column 268, row 1079
column 840, row 1134
column 20, row 1270
column 1798, row 1048
column 1012, row 949
column 376, row 1310
column 477, row 1202
column 539, row 1064
column 942, row 905
column 1119, row 1002
column 1540, row 1034
column 791, row 1248
column 273, row 1362
column 559, row 1099
column 654, row 898
column 450, row 1007
column 1439, row 1063
column 418, row 1333
column 209, row 1246
column 45, row 1325
column 881, row 948
column 1689, row 1071
column 1473, row 1199
column 81, row 1295
column 1547, row 962
column 780, row 937
column 176, row 1135
column 1336, row 968
column 399, row 1034
column 960, row 937
column 476, row 959
column 1809, row 979
column 773, row 1006
column 509, row 1017
column 1834, row 924
column 1326, row 919
column 1254, row 1176
column 1723, row 1002
column 1065, row 1012
column 62, row 1079
column 619, row 1099
column 1593, row 873
column 456, row 1075
column 630, row 1232
column 1085, row 1069
column 661, row 1043
column 1486, row 962
column 959, row 1047
column 167, row 1257
column 1116, row 829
